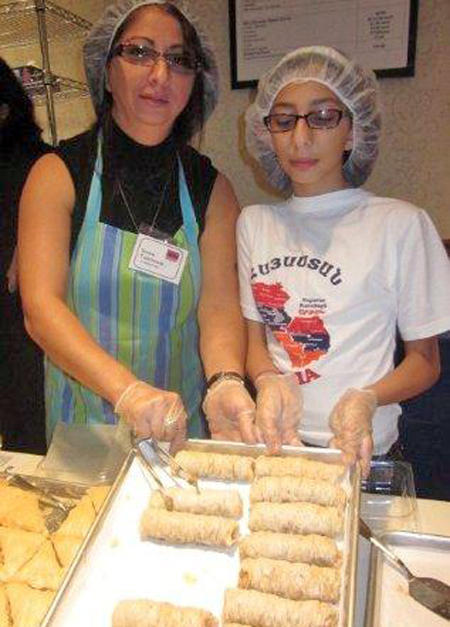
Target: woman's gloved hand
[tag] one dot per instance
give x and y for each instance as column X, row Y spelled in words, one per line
column 154, row 413
column 351, row 424
column 279, row 406
column 230, row 412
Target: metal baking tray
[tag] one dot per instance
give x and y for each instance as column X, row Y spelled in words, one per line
column 388, row 601
column 114, row 564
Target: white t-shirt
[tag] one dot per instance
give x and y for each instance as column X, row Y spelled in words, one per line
column 332, row 277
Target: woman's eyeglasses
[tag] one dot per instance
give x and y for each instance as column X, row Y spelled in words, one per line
column 320, row 119
column 143, row 54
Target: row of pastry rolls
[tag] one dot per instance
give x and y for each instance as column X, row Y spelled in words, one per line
column 185, row 516
column 289, row 571
column 234, row 467
column 32, row 565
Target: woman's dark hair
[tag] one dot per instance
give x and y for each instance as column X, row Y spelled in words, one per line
column 192, row 118
column 19, row 127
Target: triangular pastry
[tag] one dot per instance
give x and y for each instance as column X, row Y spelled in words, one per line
column 16, row 548
column 66, row 548
column 42, row 571
column 4, row 608
column 28, row 606
column 20, row 509
column 79, row 520
column 98, row 494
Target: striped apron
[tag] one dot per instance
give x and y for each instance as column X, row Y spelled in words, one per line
column 148, row 325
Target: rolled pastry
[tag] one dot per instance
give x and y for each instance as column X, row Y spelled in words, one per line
column 227, row 503
column 310, row 549
column 268, row 610
column 184, row 528
column 296, row 518
column 287, row 489
column 217, row 465
column 145, row 613
column 293, row 581
column 298, row 466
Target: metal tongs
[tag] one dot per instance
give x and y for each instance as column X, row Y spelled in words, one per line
column 44, row 495
column 169, row 466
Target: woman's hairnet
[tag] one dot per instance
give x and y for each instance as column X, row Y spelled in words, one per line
column 99, row 41
column 356, row 87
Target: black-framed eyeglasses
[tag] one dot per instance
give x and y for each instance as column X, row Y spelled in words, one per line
column 143, row 54
column 320, row 119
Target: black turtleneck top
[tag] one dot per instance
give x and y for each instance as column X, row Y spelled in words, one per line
column 139, row 183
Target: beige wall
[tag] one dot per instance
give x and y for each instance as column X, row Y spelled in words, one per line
column 415, row 152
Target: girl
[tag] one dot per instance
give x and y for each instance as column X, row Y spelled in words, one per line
column 329, row 275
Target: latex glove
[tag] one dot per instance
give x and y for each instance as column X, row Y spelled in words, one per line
column 351, row 424
column 230, row 412
column 154, row 413
column 279, row 406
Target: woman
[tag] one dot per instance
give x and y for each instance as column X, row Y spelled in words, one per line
column 22, row 416
column 329, row 275
column 120, row 208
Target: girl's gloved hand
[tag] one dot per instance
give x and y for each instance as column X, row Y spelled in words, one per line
column 279, row 406
column 153, row 413
column 351, row 424
column 230, row 412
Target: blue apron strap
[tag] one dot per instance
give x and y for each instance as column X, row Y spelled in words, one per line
column 190, row 224
column 95, row 191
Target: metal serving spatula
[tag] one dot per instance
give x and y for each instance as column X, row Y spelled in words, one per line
column 432, row 593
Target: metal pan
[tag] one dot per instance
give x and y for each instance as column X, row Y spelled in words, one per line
column 388, row 601
column 114, row 564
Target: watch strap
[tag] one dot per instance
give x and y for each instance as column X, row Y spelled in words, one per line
column 223, row 376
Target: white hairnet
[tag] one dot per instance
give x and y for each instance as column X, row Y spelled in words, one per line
column 98, row 45
column 356, row 87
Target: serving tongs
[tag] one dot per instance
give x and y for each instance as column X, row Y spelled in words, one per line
column 432, row 593
column 44, row 495
column 168, row 465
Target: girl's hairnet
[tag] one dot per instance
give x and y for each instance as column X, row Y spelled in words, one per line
column 356, row 87
column 98, row 45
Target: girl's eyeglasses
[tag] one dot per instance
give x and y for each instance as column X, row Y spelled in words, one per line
column 320, row 119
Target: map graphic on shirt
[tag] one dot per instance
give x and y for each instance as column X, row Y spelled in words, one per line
column 304, row 337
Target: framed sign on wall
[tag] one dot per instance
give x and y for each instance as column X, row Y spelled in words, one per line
column 380, row 34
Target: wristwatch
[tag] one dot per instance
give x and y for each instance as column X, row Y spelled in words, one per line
column 224, row 375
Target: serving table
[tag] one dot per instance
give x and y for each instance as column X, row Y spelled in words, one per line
column 431, row 517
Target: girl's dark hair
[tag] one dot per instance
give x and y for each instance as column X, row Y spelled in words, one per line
column 192, row 118
column 20, row 126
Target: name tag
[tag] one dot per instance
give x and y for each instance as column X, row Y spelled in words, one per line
column 158, row 258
